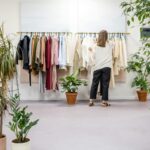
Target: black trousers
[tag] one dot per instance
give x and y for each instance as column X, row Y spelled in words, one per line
column 101, row 76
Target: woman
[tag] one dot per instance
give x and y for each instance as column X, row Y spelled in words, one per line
column 102, row 68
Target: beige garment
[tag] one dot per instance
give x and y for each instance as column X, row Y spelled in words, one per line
column 38, row 51
column 124, row 51
column 43, row 47
column 122, row 76
column 120, row 63
column 77, row 56
column 68, row 45
column 54, row 78
column 24, row 75
column 121, row 59
column 116, row 57
column 70, row 49
column 31, row 51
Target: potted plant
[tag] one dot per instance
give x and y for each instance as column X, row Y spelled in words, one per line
column 20, row 124
column 7, row 71
column 139, row 63
column 70, row 85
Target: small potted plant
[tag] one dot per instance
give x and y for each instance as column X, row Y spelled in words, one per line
column 20, row 124
column 7, row 72
column 139, row 63
column 70, row 85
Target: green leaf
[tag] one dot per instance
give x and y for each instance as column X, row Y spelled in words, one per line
column 128, row 22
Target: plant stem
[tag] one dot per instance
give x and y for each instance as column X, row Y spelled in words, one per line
column 1, row 124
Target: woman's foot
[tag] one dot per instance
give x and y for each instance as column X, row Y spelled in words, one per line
column 91, row 103
column 105, row 104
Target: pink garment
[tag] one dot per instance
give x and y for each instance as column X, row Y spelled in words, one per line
column 54, row 78
column 54, row 51
column 54, row 62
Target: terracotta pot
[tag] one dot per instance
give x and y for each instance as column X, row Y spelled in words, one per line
column 71, row 98
column 142, row 95
column 20, row 146
column 3, row 143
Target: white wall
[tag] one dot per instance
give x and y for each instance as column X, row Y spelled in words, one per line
column 72, row 15
column 9, row 13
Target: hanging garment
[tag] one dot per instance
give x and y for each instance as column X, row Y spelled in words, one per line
column 30, row 52
column 23, row 52
column 116, row 56
column 43, row 48
column 42, row 81
column 54, row 62
column 121, row 77
column 121, row 58
column 62, row 59
column 38, row 54
column 54, row 51
column 77, row 56
column 48, row 64
column 35, row 67
column 70, row 49
column 124, row 51
column 19, row 52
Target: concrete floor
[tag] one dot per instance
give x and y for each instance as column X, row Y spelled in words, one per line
column 123, row 126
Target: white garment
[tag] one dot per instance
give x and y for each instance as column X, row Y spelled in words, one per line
column 103, row 56
column 124, row 51
column 87, row 44
column 70, row 48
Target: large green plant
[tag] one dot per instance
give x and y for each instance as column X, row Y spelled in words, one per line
column 139, row 63
column 71, row 83
column 21, row 122
column 139, row 9
column 7, row 71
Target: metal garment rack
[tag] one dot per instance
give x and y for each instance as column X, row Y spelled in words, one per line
column 125, row 33
column 44, row 32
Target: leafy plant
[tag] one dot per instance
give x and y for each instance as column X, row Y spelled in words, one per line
column 140, row 64
column 20, row 123
column 3, row 103
column 71, row 83
column 7, row 71
column 139, row 9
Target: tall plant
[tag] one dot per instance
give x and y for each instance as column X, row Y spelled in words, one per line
column 139, row 9
column 7, row 71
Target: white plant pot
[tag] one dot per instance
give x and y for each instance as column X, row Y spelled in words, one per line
column 20, row 146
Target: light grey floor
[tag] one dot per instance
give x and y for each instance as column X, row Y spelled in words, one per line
column 123, row 126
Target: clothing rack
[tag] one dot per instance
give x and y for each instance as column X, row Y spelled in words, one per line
column 125, row 33
column 44, row 32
